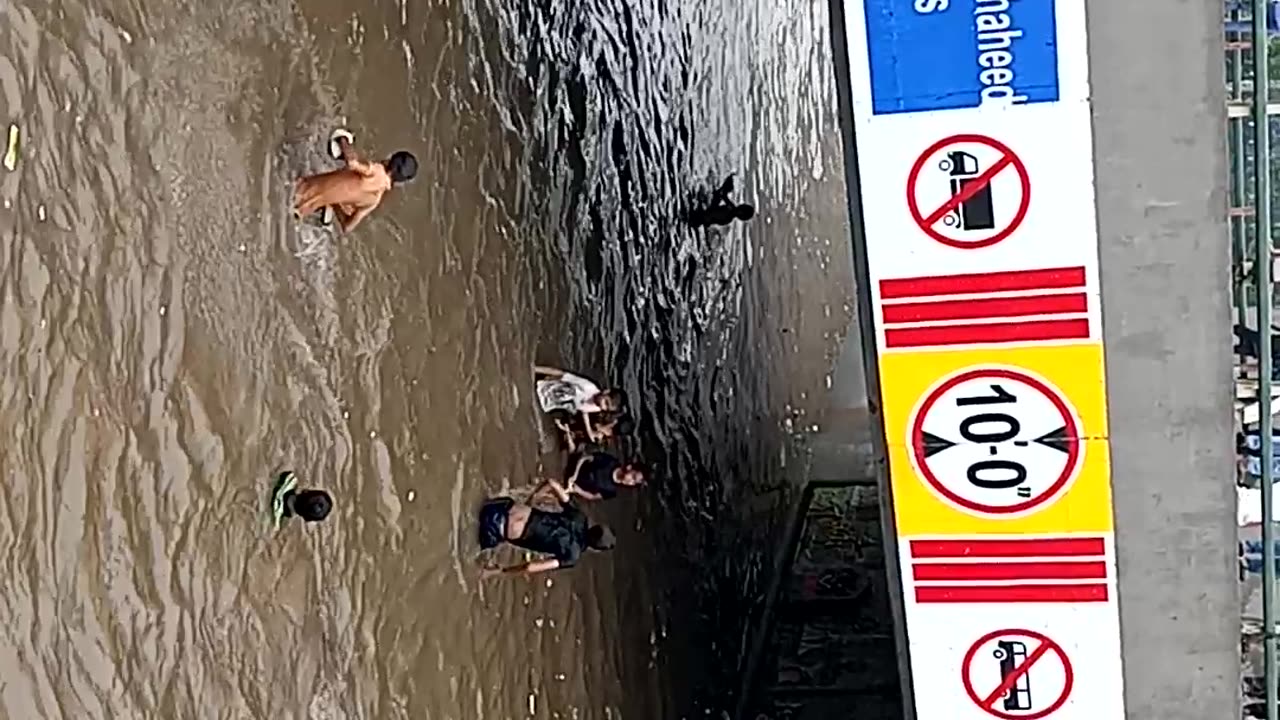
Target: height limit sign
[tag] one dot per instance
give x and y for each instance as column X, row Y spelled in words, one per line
column 996, row 441
column 968, row 191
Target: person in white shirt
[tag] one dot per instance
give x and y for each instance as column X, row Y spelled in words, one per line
column 561, row 390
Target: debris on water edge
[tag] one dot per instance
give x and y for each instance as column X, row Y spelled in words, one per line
column 11, row 148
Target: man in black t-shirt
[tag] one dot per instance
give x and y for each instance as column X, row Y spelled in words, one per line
column 597, row 475
column 562, row 534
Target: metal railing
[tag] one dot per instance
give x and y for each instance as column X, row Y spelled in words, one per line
column 1262, row 275
column 1255, row 268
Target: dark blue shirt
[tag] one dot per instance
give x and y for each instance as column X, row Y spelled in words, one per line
column 596, row 475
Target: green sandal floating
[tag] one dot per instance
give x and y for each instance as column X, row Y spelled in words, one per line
column 286, row 484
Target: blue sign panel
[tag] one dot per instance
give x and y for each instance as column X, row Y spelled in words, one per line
column 949, row 54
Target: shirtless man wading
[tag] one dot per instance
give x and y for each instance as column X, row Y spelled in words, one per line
column 561, row 534
column 354, row 190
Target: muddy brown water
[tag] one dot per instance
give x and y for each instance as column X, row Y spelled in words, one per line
column 170, row 339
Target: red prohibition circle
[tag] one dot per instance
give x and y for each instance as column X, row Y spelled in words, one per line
column 1068, row 674
column 1072, row 433
column 1023, row 177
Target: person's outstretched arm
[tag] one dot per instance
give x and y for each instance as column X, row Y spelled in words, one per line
column 569, row 439
column 556, row 489
column 571, row 484
column 586, row 494
column 352, row 160
column 529, row 568
column 721, row 195
column 572, row 481
column 349, row 222
column 547, row 372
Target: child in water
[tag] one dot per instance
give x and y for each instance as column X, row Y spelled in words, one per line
column 353, row 191
column 719, row 209
column 287, row 500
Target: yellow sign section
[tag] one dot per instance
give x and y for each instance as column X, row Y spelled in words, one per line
column 998, row 441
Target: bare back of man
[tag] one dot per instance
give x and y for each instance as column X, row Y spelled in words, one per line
column 354, row 190
column 561, row 534
column 517, row 520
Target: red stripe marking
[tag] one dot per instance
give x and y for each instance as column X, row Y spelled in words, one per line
column 1011, row 571
column 987, row 333
column 974, row 283
column 1011, row 593
column 986, row 308
column 1040, row 547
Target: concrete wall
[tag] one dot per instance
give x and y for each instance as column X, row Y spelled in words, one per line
column 845, row 448
column 857, row 370
column 1159, row 124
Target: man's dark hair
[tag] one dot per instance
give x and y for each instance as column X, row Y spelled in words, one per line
column 745, row 211
column 600, row 537
column 638, row 467
column 402, row 166
column 619, row 396
column 312, row 505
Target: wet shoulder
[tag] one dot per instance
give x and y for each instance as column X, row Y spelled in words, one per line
column 377, row 177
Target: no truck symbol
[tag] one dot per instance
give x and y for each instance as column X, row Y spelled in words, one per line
column 968, row 191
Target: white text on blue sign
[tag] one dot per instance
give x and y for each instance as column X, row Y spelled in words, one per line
column 949, row 54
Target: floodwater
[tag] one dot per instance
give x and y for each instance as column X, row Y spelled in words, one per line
column 170, row 340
